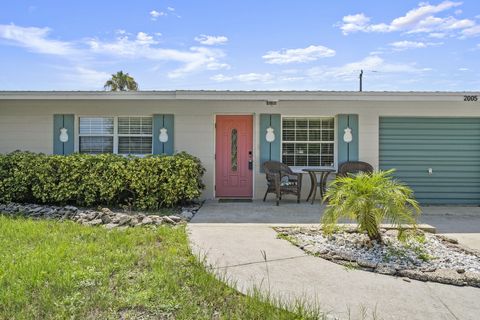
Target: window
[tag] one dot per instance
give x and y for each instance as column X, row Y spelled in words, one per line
column 122, row 135
column 134, row 135
column 96, row 135
column 308, row 142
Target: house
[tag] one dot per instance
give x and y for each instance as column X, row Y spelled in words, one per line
column 431, row 138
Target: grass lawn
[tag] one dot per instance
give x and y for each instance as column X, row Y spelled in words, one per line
column 59, row 270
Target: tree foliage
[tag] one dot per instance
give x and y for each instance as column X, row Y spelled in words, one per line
column 370, row 199
column 121, row 82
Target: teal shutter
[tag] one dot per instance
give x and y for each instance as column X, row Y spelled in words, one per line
column 66, row 121
column 270, row 151
column 347, row 151
column 163, row 121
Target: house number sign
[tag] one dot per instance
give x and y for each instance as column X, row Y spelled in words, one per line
column 470, row 98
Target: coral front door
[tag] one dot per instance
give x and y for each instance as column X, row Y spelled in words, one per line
column 233, row 154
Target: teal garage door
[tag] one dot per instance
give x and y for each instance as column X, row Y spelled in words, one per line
column 439, row 158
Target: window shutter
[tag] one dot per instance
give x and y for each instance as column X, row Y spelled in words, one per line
column 63, row 121
column 270, row 150
column 163, row 121
column 347, row 151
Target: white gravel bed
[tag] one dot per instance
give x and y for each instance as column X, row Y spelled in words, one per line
column 425, row 256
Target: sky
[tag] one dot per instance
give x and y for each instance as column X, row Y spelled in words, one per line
column 241, row 45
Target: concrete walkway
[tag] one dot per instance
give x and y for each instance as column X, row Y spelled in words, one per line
column 235, row 250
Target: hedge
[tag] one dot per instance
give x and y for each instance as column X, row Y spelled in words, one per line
column 87, row 180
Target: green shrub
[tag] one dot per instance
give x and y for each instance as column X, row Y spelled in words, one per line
column 369, row 199
column 86, row 180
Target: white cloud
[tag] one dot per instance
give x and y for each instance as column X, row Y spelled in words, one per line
column 408, row 45
column 89, row 77
column 142, row 46
column 36, row 39
column 437, row 35
column 211, row 40
column 221, row 78
column 419, row 20
column 310, row 53
column 404, row 45
column 324, row 74
column 194, row 59
column 463, row 69
column 245, row 77
column 470, row 32
column 143, row 38
column 154, row 14
column 351, row 70
column 170, row 9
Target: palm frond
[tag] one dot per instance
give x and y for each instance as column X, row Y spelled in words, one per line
column 370, row 199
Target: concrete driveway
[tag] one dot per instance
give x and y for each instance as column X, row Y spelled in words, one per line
column 234, row 237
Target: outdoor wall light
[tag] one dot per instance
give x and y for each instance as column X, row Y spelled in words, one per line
column 163, row 136
column 270, row 136
column 347, row 136
column 63, row 135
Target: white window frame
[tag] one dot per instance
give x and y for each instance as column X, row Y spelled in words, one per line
column 300, row 168
column 115, row 134
column 96, row 134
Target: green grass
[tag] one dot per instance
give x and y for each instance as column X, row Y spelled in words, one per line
column 62, row 270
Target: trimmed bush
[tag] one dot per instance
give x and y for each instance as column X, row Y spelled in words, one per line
column 87, row 180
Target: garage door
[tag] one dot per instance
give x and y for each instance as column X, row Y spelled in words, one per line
column 439, row 158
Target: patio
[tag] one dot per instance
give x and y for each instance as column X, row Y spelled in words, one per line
column 447, row 219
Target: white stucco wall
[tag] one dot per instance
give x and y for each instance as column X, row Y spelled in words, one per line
column 28, row 124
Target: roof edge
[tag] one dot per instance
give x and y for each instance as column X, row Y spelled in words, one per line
column 236, row 95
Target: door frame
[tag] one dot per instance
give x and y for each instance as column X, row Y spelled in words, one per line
column 254, row 147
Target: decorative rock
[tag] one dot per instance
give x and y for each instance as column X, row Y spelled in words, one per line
column 168, row 220
column 94, row 222
column 187, row 215
column 392, row 233
column 175, row 218
column 105, row 216
column 71, row 208
column 366, row 263
column 146, row 220
column 385, row 269
column 433, row 259
column 124, row 219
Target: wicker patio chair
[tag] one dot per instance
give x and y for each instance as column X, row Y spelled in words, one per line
column 282, row 180
column 352, row 167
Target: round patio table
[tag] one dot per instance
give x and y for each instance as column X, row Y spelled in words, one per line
column 315, row 183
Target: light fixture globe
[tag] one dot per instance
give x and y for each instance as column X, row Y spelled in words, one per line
column 163, row 136
column 270, row 136
column 63, row 135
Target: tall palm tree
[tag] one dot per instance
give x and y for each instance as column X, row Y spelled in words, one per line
column 121, row 82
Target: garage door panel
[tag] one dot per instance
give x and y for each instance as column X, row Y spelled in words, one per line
column 450, row 146
column 438, row 170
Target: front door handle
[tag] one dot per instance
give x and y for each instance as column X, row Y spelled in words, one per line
column 250, row 164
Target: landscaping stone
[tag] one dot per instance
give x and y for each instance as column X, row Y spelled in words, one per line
column 105, row 216
column 425, row 257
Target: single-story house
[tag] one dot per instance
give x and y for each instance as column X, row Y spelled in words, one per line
column 431, row 138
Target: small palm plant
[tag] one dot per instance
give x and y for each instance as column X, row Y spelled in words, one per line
column 121, row 82
column 370, row 199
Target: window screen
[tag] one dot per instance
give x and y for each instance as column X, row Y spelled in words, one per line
column 308, row 142
column 96, row 135
column 134, row 135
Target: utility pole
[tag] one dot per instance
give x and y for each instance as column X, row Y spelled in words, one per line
column 361, row 79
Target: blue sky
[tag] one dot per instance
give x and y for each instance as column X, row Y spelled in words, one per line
column 241, row 45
